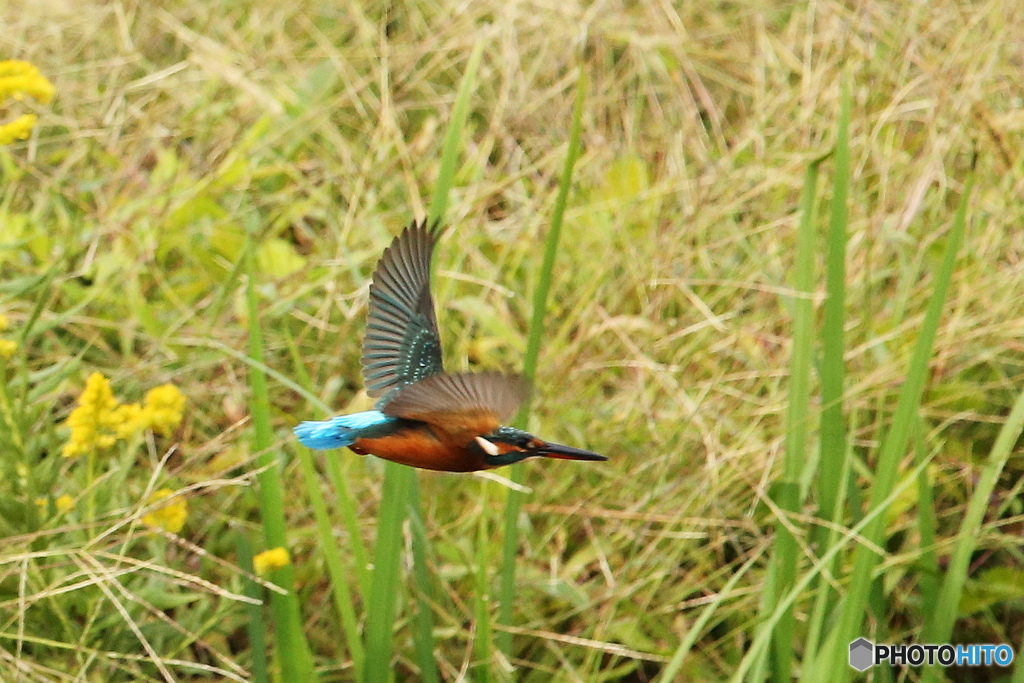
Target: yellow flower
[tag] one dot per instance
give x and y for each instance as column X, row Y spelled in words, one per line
column 18, row 78
column 170, row 516
column 94, row 422
column 269, row 560
column 63, row 503
column 7, row 347
column 164, row 407
column 18, row 129
column 129, row 419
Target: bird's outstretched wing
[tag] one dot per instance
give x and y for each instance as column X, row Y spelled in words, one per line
column 481, row 400
column 402, row 345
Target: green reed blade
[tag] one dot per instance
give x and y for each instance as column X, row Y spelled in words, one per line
column 340, row 588
column 296, row 660
column 892, row 451
column 514, row 504
column 400, row 482
column 787, row 491
column 833, row 451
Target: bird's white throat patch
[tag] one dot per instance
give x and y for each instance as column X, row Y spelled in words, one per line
column 489, row 447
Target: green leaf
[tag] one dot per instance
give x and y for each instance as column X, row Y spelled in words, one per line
column 993, row 586
column 161, row 598
column 277, row 259
column 624, row 180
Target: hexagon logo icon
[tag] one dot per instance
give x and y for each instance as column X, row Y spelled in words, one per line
column 861, row 654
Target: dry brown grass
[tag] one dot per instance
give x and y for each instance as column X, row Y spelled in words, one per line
column 668, row 347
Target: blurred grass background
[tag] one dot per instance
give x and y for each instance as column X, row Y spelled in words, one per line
column 179, row 132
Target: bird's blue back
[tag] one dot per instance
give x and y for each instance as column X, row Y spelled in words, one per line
column 345, row 429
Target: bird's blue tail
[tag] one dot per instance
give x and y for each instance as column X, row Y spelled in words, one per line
column 344, row 430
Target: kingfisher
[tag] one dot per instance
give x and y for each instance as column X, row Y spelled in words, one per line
column 425, row 417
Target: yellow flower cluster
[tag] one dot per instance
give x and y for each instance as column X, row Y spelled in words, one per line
column 7, row 347
column 163, row 409
column 94, row 422
column 64, row 503
column 18, row 79
column 18, row 129
column 171, row 515
column 99, row 420
column 269, row 560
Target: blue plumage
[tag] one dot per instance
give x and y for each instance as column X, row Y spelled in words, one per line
column 425, row 417
column 345, row 429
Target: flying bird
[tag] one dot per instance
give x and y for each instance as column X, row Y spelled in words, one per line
column 424, row 416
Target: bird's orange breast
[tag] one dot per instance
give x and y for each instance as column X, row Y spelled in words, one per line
column 422, row 447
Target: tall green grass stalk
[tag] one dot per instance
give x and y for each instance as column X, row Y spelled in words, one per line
column 671, row 670
column 894, row 446
column 833, row 452
column 763, row 640
column 255, row 625
column 425, row 595
column 401, row 487
column 787, row 491
column 927, row 565
column 346, row 504
column 340, row 588
column 832, row 448
column 482, row 634
column 386, row 582
column 514, row 503
column 939, row 621
column 333, row 552
column 294, row 656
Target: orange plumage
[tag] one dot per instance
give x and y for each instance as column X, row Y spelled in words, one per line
column 420, row 447
column 426, row 417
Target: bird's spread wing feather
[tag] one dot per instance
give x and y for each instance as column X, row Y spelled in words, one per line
column 402, row 345
column 453, row 400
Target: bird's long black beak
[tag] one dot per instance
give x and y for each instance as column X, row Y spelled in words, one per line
column 557, row 450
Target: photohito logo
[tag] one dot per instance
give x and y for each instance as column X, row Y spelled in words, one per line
column 865, row 654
